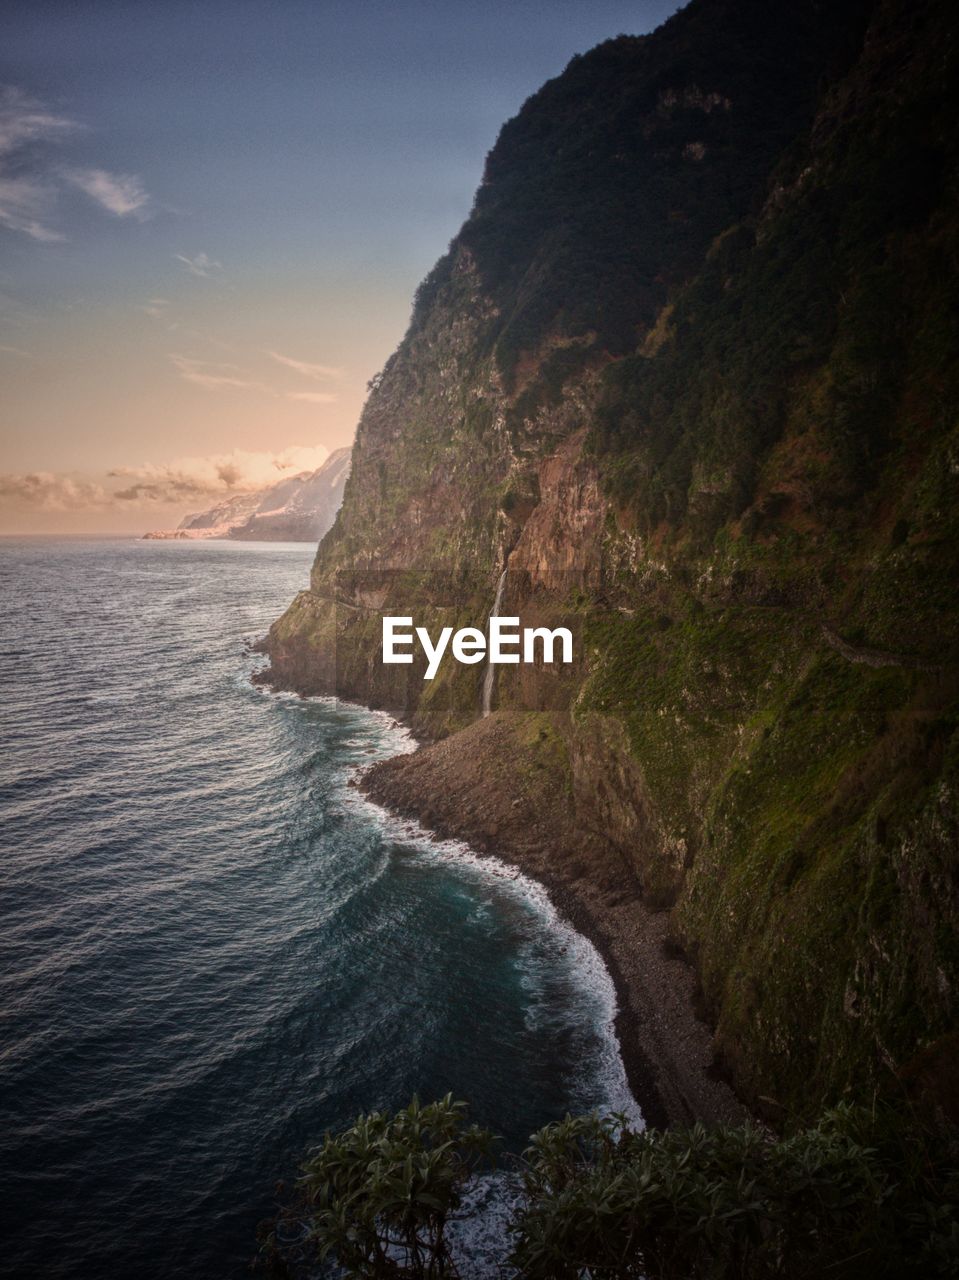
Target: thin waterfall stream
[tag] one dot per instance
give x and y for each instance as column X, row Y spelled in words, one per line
column 489, row 676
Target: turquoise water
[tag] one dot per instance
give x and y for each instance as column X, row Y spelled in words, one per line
column 213, row 947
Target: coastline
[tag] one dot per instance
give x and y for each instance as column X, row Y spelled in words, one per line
column 470, row 788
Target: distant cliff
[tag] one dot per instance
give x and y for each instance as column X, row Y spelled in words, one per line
column 689, row 372
column 299, row 508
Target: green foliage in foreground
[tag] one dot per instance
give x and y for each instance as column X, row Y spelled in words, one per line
column 735, row 1202
column 376, row 1198
column 863, row 1193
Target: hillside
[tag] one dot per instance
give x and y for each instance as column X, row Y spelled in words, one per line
column 299, row 508
column 688, row 373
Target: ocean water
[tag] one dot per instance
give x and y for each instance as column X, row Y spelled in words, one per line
column 212, row 947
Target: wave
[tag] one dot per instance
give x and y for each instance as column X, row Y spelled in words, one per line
column 480, row 1238
column 570, row 948
column 607, row 1086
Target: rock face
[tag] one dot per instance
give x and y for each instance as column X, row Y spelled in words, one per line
column 689, row 372
column 299, row 508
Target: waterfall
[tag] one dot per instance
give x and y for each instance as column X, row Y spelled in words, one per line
column 490, row 675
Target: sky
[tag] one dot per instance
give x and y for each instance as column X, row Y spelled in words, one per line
column 213, row 217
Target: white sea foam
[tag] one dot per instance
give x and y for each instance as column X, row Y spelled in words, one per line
column 480, row 1237
column 605, row 1088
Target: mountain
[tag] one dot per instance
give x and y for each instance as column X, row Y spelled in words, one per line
column 688, row 373
column 299, row 508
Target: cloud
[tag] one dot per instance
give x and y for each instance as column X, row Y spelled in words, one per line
column 156, row 307
column 52, row 492
column 200, row 264
column 26, row 205
column 24, row 120
column 30, row 183
column 313, row 397
column 185, row 480
column 242, row 471
column 216, row 377
column 14, row 351
column 319, row 372
column 121, row 194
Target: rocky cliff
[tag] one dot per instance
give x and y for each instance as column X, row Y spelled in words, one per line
column 298, row 508
column 689, row 373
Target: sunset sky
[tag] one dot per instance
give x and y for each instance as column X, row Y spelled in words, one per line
column 213, row 216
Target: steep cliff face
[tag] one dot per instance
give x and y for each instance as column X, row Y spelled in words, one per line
column 303, row 514
column 689, row 372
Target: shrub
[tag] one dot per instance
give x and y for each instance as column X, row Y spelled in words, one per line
column 853, row 1196
column 375, row 1199
column 865, row 1192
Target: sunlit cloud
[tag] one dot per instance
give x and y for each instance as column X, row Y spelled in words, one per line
column 14, row 351
column 200, row 264
column 120, row 194
column 181, row 481
column 215, row 376
column 52, row 492
column 317, row 371
column 156, row 307
column 242, row 471
column 312, row 397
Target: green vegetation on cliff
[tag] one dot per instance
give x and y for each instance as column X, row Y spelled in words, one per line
column 690, row 371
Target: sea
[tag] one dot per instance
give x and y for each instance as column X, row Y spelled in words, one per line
column 213, row 948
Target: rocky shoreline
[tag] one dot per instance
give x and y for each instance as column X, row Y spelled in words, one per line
column 500, row 786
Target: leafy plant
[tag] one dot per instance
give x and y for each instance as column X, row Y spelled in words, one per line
column 865, row 1192
column 376, row 1198
column 606, row 1203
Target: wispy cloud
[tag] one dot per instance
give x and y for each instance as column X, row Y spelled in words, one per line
column 220, row 376
column 215, row 376
column 312, row 397
column 156, row 307
column 52, row 492
column 120, row 194
column 24, row 120
column 14, row 351
column 26, row 205
column 190, row 479
column 319, row 372
column 200, row 264
column 30, row 182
